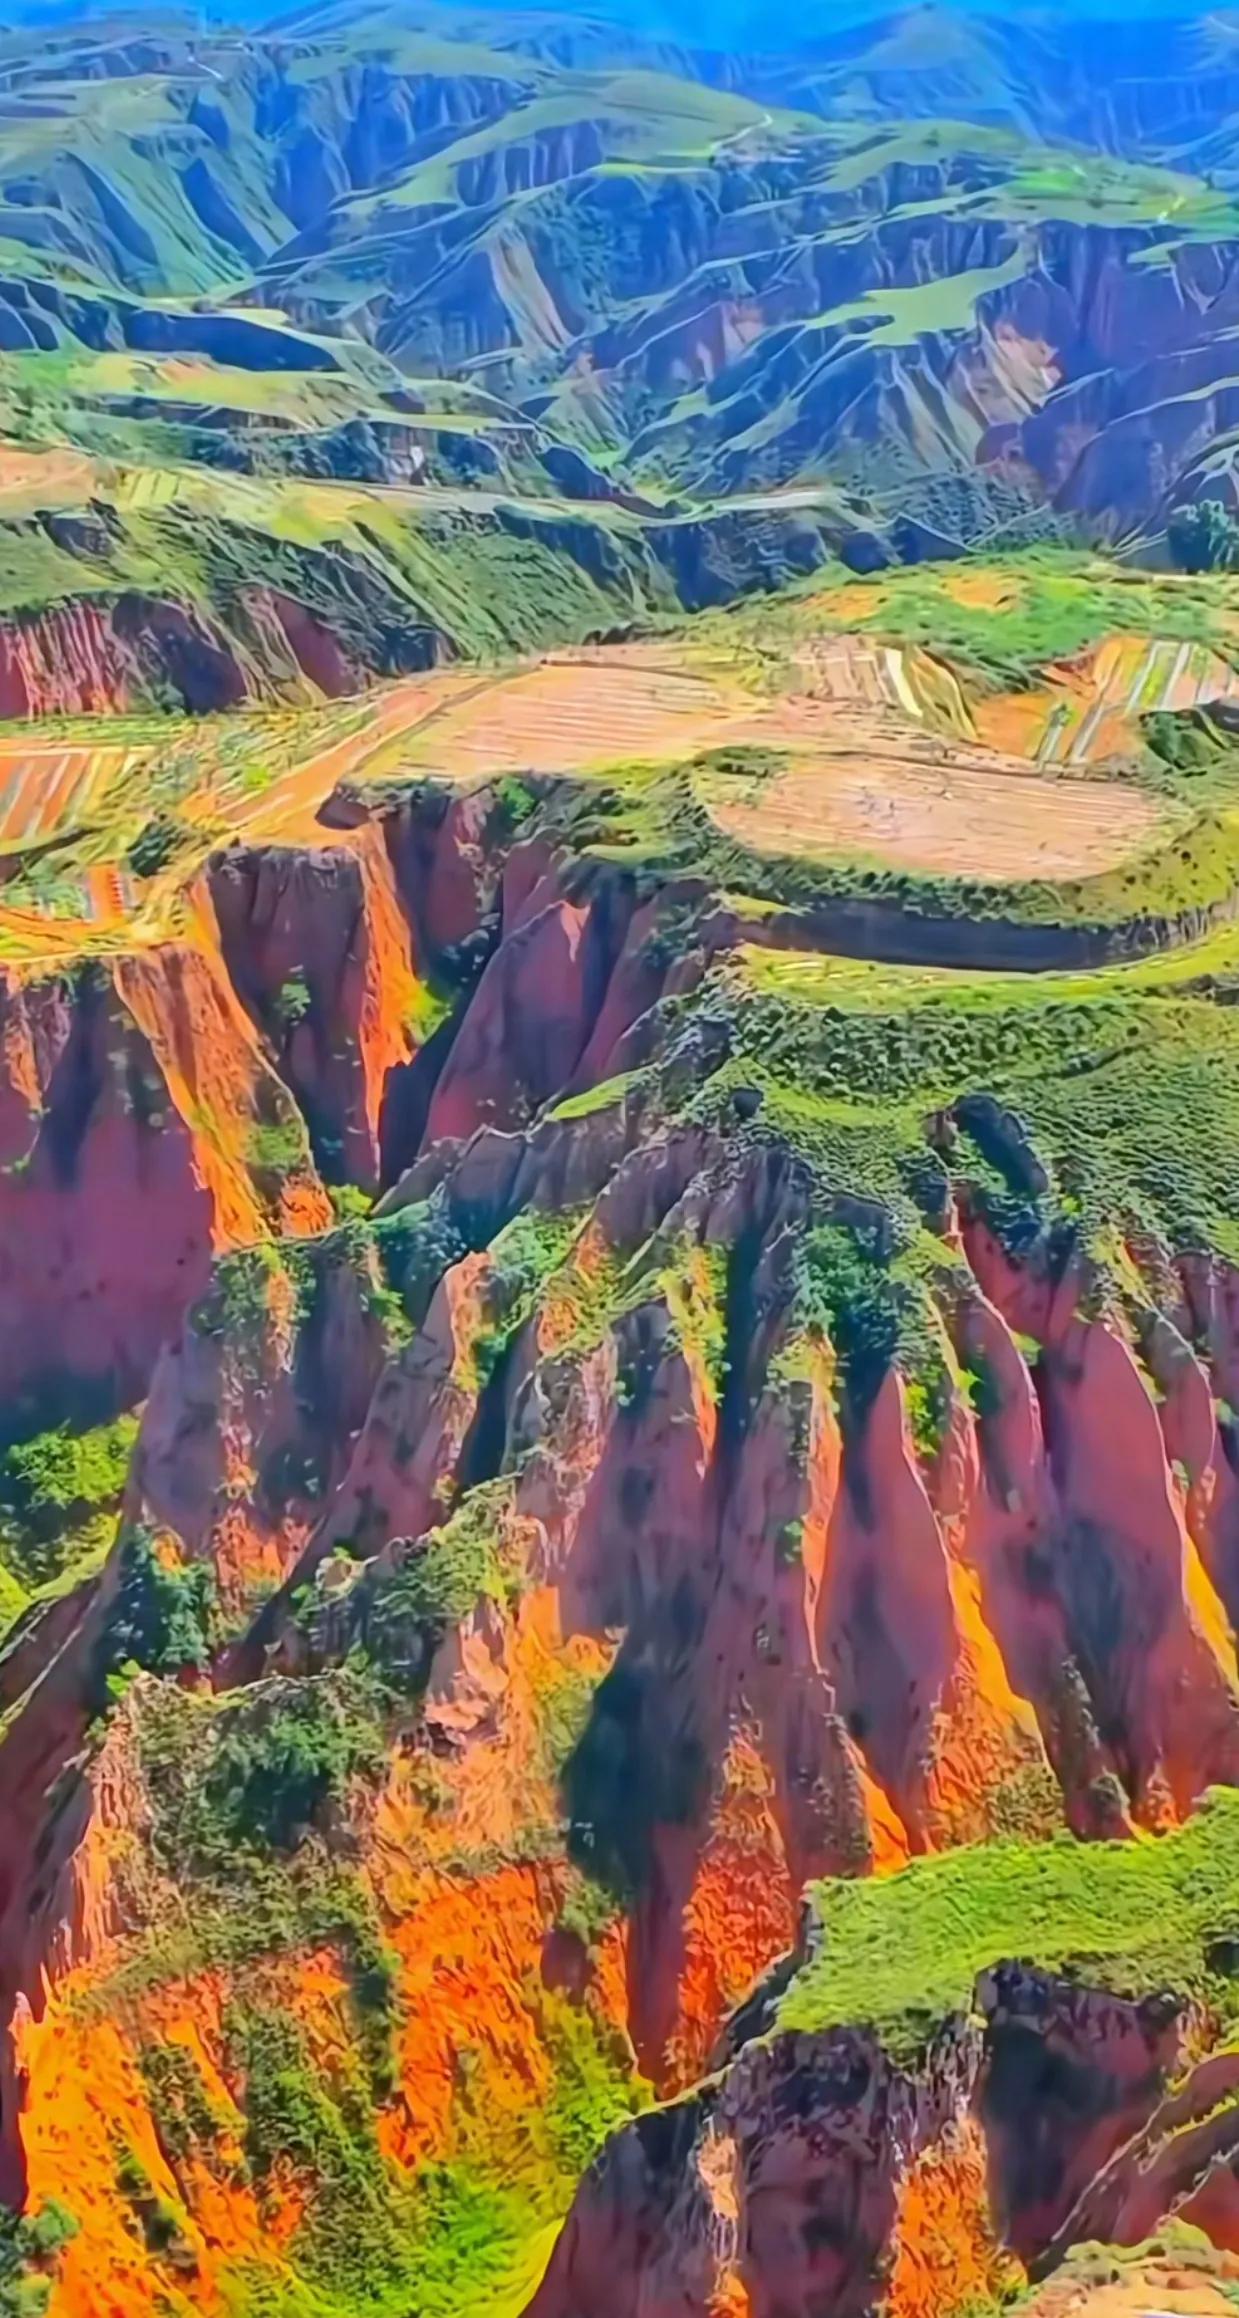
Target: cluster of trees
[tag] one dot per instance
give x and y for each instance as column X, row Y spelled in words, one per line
column 1204, row 537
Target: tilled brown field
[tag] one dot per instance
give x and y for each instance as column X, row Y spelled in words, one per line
column 866, row 776
column 577, row 714
column 878, row 766
column 861, row 784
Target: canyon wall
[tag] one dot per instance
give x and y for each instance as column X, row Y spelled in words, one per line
column 672, row 1607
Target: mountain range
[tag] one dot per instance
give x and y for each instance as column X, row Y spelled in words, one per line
column 316, row 328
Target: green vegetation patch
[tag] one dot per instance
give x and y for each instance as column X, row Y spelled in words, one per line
column 159, row 1618
column 523, row 1257
column 278, row 1146
column 161, row 2222
column 60, row 1496
column 189, row 2117
column 693, row 1282
column 866, row 1293
column 30, row 2247
column 252, row 1772
column 324, row 2127
column 237, row 1787
column 1095, row 1101
column 596, row 1098
column 62, row 1474
column 464, row 1561
column 1021, row 613
column 902, row 1952
column 422, row 2244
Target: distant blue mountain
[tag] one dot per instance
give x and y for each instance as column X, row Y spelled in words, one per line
column 702, row 24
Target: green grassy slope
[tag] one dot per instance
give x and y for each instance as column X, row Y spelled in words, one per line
column 904, row 1951
column 621, row 275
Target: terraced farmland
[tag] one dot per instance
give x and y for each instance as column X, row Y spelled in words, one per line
column 570, row 714
column 877, row 747
column 952, row 808
column 42, row 786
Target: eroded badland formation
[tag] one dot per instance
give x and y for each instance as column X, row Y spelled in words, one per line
column 619, row 1172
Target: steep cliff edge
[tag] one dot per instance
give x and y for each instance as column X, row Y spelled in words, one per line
column 634, row 1420
column 142, row 1127
column 925, row 2161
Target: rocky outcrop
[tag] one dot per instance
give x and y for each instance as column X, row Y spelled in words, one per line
column 85, row 658
column 685, row 1573
column 195, row 1094
column 142, row 1128
column 318, row 948
column 92, row 655
column 814, row 2172
column 774, row 2188
column 884, row 1651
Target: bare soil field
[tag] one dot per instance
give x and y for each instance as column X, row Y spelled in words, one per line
column 880, row 767
column 573, row 714
column 890, row 756
column 1088, row 711
column 861, row 783
column 34, row 479
column 1156, row 2282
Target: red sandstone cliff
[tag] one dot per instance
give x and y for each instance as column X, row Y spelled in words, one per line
column 808, row 1642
